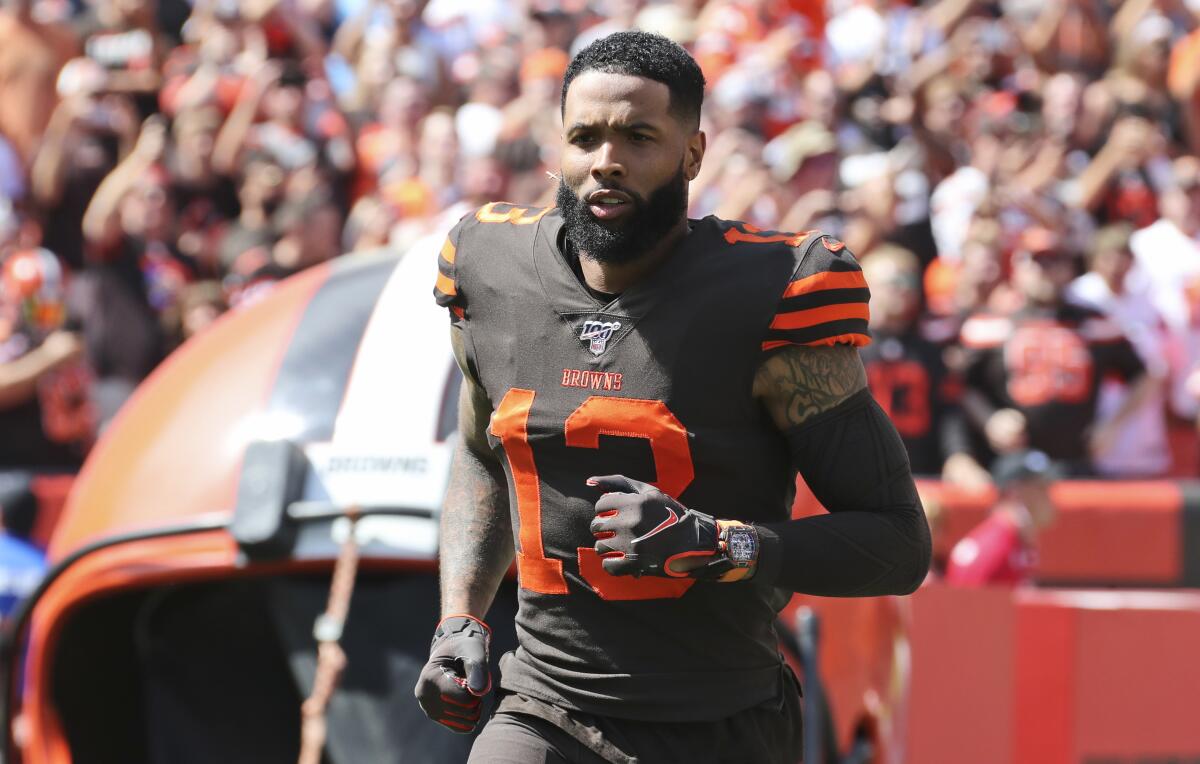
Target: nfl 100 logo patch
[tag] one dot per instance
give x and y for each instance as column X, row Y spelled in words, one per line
column 597, row 334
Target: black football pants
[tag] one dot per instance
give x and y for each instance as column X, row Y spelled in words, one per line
column 528, row 731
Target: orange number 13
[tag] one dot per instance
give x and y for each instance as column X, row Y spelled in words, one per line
column 622, row 417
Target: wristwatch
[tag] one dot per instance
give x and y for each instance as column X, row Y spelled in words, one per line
column 738, row 542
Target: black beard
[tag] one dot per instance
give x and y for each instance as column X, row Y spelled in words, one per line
column 638, row 233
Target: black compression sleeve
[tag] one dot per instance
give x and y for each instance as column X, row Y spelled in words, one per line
column 875, row 540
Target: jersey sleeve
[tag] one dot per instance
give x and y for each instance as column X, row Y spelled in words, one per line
column 446, row 289
column 825, row 302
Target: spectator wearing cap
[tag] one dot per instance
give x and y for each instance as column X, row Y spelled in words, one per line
column 1032, row 378
column 1139, row 448
column 1002, row 550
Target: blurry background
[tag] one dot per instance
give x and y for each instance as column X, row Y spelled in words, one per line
column 1019, row 180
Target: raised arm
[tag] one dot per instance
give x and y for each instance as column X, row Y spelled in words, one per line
column 875, row 539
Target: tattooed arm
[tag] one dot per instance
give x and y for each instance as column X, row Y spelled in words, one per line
column 797, row 383
column 875, row 539
column 476, row 545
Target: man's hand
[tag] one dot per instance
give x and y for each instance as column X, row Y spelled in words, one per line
column 641, row 531
column 456, row 677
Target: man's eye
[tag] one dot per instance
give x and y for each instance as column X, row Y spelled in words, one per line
column 639, row 138
column 582, row 139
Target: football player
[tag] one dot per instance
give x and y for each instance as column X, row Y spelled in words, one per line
column 640, row 391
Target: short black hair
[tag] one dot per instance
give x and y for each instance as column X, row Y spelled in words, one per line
column 642, row 54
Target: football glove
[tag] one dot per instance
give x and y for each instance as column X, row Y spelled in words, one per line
column 456, row 676
column 641, row 531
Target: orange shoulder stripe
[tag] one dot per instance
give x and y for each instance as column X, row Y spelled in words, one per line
column 802, row 319
column 445, row 285
column 826, row 280
column 853, row 338
column 448, row 251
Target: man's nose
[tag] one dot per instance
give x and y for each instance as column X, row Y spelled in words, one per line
column 607, row 164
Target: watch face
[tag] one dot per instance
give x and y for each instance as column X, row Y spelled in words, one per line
column 741, row 545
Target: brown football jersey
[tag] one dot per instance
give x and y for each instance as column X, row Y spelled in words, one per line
column 656, row 385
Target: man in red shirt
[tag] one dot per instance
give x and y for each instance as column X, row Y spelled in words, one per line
column 1001, row 549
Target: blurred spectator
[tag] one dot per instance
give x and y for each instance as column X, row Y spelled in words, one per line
column 22, row 565
column 200, row 305
column 301, row 127
column 1032, row 378
column 1167, row 254
column 1003, row 548
column 205, row 201
column 907, row 375
column 1139, row 448
column 89, row 133
column 134, row 270
column 260, row 191
column 46, row 413
column 123, row 38
column 308, row 232
column 32, row 52
column 1128, row 174
column 382, row 42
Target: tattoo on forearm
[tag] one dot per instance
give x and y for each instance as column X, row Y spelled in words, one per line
column 801, row 382
column 476, row 534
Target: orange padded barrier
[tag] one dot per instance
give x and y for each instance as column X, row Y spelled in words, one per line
column 1033, row 676
column 1120, row 533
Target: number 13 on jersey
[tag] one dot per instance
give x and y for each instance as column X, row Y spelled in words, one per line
column 596, row 416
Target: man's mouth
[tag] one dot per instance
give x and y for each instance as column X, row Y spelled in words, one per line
column 608, row 204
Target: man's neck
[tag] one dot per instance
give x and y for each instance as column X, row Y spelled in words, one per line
column 610, row 278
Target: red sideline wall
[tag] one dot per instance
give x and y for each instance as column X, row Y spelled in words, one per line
column 1054, row 677
column 1139, row 534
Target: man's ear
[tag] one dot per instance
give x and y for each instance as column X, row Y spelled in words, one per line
column 694, row 155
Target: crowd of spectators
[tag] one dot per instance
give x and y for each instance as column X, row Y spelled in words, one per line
column 1018, row 178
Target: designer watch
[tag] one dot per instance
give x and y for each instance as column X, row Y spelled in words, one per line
column 738, row 542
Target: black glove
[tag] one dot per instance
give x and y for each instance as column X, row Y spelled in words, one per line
column 456, row 677
column 641, row 531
